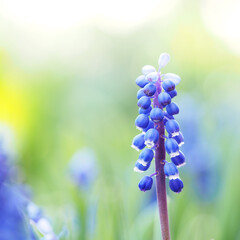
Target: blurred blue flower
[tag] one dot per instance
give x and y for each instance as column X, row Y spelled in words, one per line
column 83, row 168
column 202, row 152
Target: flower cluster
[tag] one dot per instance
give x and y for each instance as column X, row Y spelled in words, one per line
column 156, row 109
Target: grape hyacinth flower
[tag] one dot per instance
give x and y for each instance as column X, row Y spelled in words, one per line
column 157, row 118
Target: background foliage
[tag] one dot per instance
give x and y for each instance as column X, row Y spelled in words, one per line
column 64, row 88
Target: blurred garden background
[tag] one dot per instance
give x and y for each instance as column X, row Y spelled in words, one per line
column 68, row 105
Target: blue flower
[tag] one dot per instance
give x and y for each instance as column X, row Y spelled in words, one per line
column 145, row 111
column 176, row 185
column 146, row 156
column 144, row 102
column 149, row 89
column 170, row 170
column 172, row 127
column 151, row 137
column 155, row 114
column 83, row 168
column 172, row 108
column 168, row 85
column 138, row 142
column 145, row 184
column 172, row 147
column 141, row 81
column 179, row 160
column 164, row 99
column 141, row 121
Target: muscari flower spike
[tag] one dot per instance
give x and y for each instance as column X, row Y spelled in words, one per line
column 150, row 115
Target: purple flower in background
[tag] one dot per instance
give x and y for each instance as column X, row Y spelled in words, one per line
column 82, row 168
column 204, row 152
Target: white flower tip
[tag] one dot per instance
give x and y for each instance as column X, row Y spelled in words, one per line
column 174, row 154
column 142, row 162
column 180, row 165
column 163, row 60
column 149, row 143
column 135, row 147
column 174, row 176
column 180, row 144
column 175, row 134
column 137, row 170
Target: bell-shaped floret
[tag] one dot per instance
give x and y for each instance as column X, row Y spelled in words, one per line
column 144, row 102
column 145, row 184
column 146, row 156
column 170, row 170
column 141, row 121
column 156, row 115
column 176, row 185
column 141, row 81
column 151, row 137
column 171, row 147
column 173, row 93
column 172, row 108
column 140, row 93
column 138, row 142
column 149, row 89
column 164, row 98
column 168, row 85
column 145, row 111
column 179, row 138
column 179, row 160
column 150, row 125
column 172, row 127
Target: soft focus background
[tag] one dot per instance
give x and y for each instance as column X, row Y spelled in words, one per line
column 68, row 94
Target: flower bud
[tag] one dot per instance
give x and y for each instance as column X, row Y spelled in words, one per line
column 148, row 69
column 146, row 156
column 173, row 93
column 151, row 137
column 140, row 93
column 171, row 147
column 149, row 89
column 141, row 81
column 172, row 127
column 163, row 60
column 141, row 121
column 172, row 108
column 164, row 98
column 176, row 185
column 145, row 111
column 152, row 77
column 156, row 115
column 168, row 85
column 150, row 125
column 138, row 142
column 144, row 102
column 145, row 183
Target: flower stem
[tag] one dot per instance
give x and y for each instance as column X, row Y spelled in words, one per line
column 160, row 177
